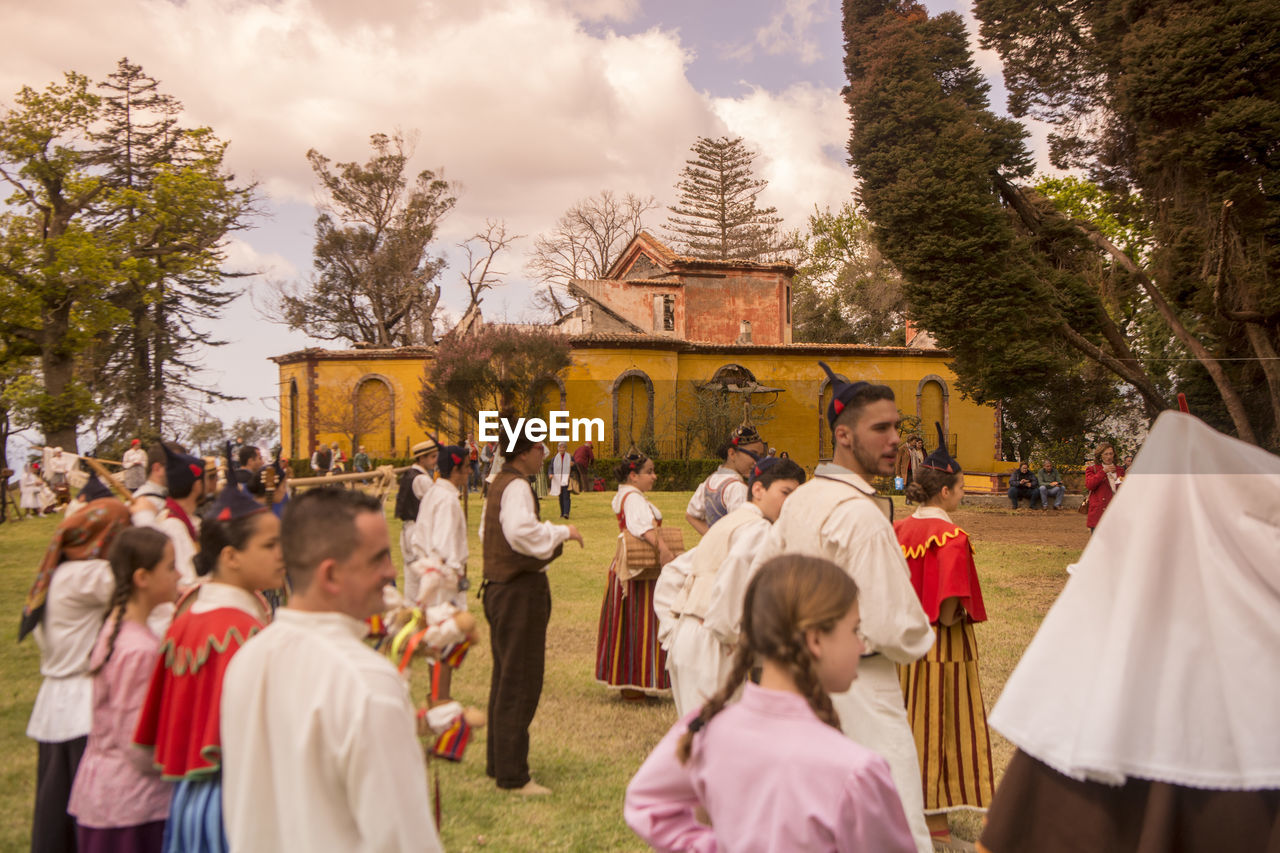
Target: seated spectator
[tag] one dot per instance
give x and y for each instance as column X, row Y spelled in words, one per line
column 1023, row 484
column 1051, row 485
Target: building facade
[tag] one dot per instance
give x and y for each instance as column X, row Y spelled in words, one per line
column 643, row 340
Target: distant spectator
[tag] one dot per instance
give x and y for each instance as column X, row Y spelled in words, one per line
column 784, row 455
column 321, row 460
column 583, row 458
column 339, row 459
column 1128, row 462
column 1051, row 485
column 135, row 466
column 1023, row 484
column 250, row 463
column 1101, row 479
column 910, row 458
column 360, row 462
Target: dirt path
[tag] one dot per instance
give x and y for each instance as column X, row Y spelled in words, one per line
column 1060, row 529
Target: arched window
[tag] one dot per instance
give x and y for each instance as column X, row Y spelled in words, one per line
column 632, row 410
column 933, row 405
column 548, row 396
column 374, row 416
column 826, row 441
column 734, row 377
column 295, row 426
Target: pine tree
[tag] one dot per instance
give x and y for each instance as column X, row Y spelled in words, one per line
column 100, row 224
column 173, row 207
column 717, row 217
column 1014, row 311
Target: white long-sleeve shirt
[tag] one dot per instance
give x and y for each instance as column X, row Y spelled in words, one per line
column 440, row 536
column 724, row 611
column 826, row 520
column 75, row 606
column 520, row 525
column 319, row 744
column 640, row 514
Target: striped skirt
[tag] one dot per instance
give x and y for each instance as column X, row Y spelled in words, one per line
column 949, row 721
column 195, row 817
column 627, row 649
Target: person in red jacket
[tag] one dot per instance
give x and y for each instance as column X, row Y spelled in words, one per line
column 1101, row 479
column 583, row 458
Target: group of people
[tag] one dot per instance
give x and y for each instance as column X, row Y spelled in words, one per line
column 1102, row 477
column 180, row 711
column 849, row 638
column 821, row 655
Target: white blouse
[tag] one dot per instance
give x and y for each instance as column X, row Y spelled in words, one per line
column 75, row 607
column 641, row 515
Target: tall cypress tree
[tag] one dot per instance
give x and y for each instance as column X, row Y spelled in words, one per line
column 1015, row 309
column 173, row 205
column 716, row 216
column 1175, row 103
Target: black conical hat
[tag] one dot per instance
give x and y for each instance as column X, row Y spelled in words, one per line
column 181, row 470
column 841, row 393
column 940, row 459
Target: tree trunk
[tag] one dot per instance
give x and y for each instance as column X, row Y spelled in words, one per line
column 1270, row 364
column 158, row 347
column 1235, row 406
column 1230, row 397
column 58, row 419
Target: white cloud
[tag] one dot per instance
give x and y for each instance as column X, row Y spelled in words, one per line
column 529, row 105
column 788, row 31
column 800, row 134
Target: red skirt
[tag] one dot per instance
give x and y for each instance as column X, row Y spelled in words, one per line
column 627, row 649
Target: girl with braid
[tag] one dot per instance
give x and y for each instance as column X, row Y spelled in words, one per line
column 773, row 771
column 119, row 801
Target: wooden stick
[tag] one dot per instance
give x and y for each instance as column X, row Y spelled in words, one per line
column 357, row 476
column 109, row 479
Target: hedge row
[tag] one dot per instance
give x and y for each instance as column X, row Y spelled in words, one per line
column 302, row 467
column 674, row 475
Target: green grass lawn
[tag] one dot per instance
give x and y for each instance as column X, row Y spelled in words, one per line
column 586, row 743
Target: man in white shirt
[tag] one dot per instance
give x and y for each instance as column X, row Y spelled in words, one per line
column 837, row 515
column 149, row 498
column 135, row 466
column 319, row 742
column 414, row 484
column 561, row 468
column 518, row 546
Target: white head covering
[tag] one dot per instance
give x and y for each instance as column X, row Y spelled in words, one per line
column 1161, row 657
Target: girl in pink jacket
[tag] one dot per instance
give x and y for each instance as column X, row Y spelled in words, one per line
column 773, row 771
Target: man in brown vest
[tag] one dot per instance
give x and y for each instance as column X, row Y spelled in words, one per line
column 517, row 547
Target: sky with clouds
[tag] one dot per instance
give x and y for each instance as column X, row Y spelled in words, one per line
column 528, row 105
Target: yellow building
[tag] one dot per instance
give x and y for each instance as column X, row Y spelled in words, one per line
column 630, row 369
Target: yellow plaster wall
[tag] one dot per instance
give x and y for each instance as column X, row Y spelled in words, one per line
column 334, row 380
column 590, row 379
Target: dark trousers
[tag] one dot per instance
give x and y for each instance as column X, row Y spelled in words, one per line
column 564, row 501
column 518, row 612
column 1017, row 493
column 53, row 830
